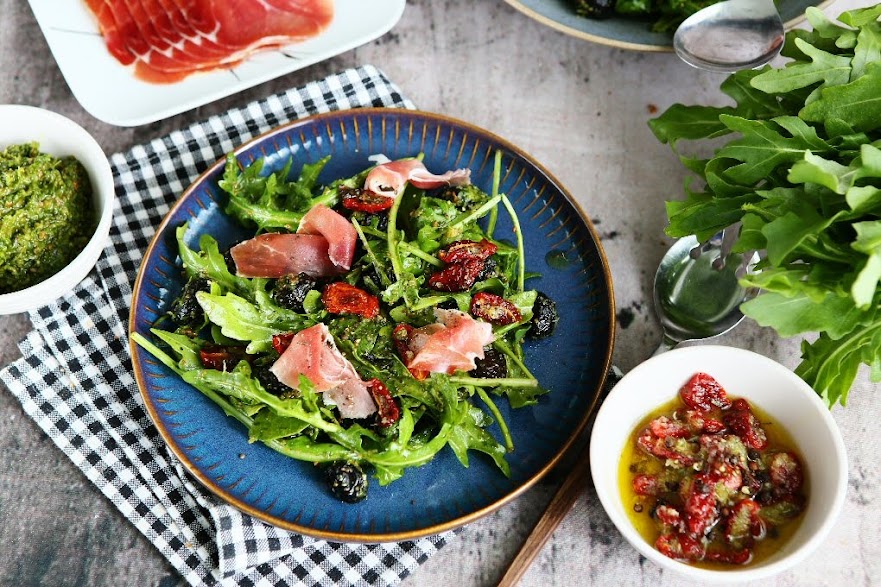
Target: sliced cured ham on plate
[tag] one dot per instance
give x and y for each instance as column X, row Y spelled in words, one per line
column 168, row 40
column 339, row 232
column 314, row 355
column 105, row 49
column 390, row 178
column 276, row 255
column 451, row 344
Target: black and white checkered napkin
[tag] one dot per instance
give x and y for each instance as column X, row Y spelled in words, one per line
column 75, row 378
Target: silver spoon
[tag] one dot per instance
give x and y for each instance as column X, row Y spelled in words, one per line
column 696, row 292
column 730, row 35
column 696, row 296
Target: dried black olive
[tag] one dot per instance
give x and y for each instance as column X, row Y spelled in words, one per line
column 271, row 383
column 347, row 481
column 544, row 317
column 290, row 291
column 186, row 310
column 490, row 270
column 493, row 365
column 230, row 262
column 448, row 305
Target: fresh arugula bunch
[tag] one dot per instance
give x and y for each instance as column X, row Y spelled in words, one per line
column 804, row 180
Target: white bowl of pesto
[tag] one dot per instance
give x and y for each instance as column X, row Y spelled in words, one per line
column 52, row 227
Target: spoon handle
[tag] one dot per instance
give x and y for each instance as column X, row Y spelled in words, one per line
column 559, row 506
column 557, row 509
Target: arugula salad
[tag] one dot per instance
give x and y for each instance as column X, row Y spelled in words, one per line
column 362, row 353
column 802, row 181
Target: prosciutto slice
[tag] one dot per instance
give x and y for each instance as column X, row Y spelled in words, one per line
column 167, row 40
column 276, row 255
column 339, row 232
column 314, row 354
column 451, row 344
column 390, row 179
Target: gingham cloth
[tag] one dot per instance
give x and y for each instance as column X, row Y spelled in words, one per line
column 75, row 378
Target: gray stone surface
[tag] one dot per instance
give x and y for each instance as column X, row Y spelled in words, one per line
column 581, row 110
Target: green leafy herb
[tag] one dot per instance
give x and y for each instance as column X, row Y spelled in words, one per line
column 803, row 177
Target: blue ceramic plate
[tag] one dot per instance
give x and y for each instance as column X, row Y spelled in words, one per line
column 629, row 33
column 560, row 244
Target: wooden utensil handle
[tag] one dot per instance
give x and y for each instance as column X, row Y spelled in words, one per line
column 560, row 505
column 557, row 509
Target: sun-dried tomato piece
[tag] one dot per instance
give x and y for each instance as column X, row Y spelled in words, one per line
column 281, row 342
column 402, row 336
column 342, row 298
column 387, row 409
column 785, row 472
column 664, row 427
column 466, row 250
column 494, row 309
column 677, row 449
column 701, row 510
column 457, row 276
column 699, row 423
column 730, row 557
column 744, row 524
column 646, row 485
column 221, row 357
column 680, row 547
column 703, row 392
column 362, row 200
column 741, row 421
column 669, row 517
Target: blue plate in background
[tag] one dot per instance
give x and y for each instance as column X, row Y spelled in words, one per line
column 630, row 33
column 560, row 244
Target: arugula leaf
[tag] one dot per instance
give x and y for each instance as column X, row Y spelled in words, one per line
column 239, row 319
column 823, row 67
column 803, row 179
column 859, row 102
column 272, row 201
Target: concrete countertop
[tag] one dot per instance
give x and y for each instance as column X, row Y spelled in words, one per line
column 578, row 108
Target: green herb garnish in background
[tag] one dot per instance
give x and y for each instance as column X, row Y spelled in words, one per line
column 804, row 180
column 664, row 15
column 46, row 215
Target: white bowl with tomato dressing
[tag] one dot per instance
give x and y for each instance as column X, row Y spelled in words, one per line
column 59, row 136
column 768, row 385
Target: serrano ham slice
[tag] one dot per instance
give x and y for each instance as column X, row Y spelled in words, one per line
column 451, row 344
column 314, row 354
column 167, row 40
column 276, row 255
column 390, row 179
column 338, row 231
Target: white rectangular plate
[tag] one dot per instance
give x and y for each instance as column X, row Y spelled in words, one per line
column 111, row 92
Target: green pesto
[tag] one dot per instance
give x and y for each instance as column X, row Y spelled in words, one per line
column 46, row 214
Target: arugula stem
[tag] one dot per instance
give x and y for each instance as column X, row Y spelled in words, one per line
column 509, row 352
column 417, row 252
column 521, row 259
column 500, row 382
column 428, row 302
column 494, row 214
column 373, row 232
column 503, row 426
column 467, row 217
column 376, row 264
column 227, row 407
column 392, row 238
